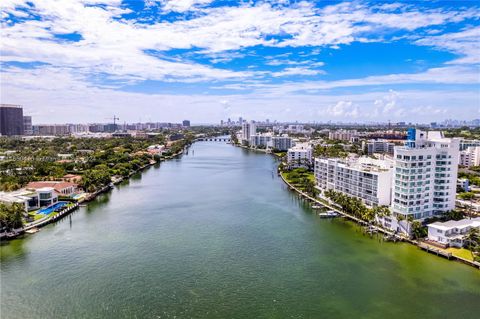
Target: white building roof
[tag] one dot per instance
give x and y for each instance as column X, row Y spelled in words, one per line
column 458, row 224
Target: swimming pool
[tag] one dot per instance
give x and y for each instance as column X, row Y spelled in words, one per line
column 51, row 208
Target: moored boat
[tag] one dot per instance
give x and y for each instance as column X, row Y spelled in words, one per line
column 328, row 214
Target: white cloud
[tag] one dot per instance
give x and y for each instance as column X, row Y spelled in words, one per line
column 465, row 43
column 183, row 5
column 296, row 71
column 128, row 51
column 62, row 92
column 443, row 75
column 386, row 104
column 343, row 109
column 117, row 47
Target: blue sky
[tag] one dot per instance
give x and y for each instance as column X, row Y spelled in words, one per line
column 207, row 60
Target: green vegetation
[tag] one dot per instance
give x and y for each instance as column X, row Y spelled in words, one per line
column 302, row 179
column 279, row 154
column 418, row 230
column 234, row 138
column 472, row 242
column 473, row 177
column 355, row 207
column 464, row 132
column 466, row 195
column 96, row 160
column 461, row 252
column 11, row 216
column 335, row 150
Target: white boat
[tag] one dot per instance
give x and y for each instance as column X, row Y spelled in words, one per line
column 328, row 214
column 316, row 207
column 32, row 230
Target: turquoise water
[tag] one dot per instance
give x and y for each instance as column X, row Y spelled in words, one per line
column 51, row 208
column 217, row 235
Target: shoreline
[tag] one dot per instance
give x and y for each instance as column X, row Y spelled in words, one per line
column 420, row 245
column 36, row 225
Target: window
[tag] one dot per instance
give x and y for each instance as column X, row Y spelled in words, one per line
column 45, row 196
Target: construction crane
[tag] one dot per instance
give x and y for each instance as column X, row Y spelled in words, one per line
column 114, row 121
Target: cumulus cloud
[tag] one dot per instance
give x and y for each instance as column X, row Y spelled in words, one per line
column 344, row 109
column 386, row 104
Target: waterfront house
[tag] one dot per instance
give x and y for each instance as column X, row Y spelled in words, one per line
column 31, row 198
column 47, row 196
column 453, row 232
column 28, row 198
column 61, row 188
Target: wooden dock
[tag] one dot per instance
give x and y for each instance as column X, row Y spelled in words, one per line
column 436, row 251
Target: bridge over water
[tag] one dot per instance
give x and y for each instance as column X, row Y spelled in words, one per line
column 215, row 139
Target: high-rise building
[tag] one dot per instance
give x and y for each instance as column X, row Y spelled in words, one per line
column 248, row 129
column 259, row 140
column 27, row 125
column 470, row 157
column 282, row 143
column 342, row 135
column 367, row 179
column 378, row 146
column 300, row 155
column 11, row 120
column 464, row 144
column 51, row 129
column 186, row 123
column 77, row 128
column 425, row 176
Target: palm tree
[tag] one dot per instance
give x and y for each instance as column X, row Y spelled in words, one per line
column 409, row 222
column 473, row 239
column 418, row 230
column 399, row 218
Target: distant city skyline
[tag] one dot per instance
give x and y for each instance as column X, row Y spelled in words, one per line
column 207, row 60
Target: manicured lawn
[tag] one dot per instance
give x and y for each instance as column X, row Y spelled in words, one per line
column 461, row 252
column 296, row 177
column 35, row 215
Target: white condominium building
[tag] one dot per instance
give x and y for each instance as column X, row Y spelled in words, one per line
column 425, row 177
column 296, row 128
column 343, row 135
column 301, row 153
column 367, row 179
column 248, row 129
column 282, row 143
column 378, row 146
column 470, row 157
column 464, row 144
column 261, row 140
